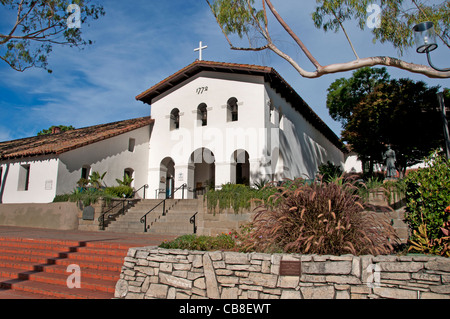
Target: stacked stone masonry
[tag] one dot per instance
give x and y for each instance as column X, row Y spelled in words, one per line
column 152, row 272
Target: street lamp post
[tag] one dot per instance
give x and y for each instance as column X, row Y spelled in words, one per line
column 444, row 119
column 425, row 38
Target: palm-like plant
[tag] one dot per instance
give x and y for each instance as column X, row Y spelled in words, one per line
column 96, row 180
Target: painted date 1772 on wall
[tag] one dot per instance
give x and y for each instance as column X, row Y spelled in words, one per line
column 202, row 90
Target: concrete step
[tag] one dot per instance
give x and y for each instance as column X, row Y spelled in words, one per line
column 175, row 222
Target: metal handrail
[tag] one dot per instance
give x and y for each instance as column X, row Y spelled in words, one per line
column 101, row 219
column 143, row 187
column 192, row 221
column 144, row 218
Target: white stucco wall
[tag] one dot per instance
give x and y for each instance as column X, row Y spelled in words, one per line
column 220, row 136
column 111, row 156
column 50, row 176
column 353, row 164
column 42, row 181
column 303, row 147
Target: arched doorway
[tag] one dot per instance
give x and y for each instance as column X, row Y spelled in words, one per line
column 240, row 171
column 167, row 175
column 202, row 175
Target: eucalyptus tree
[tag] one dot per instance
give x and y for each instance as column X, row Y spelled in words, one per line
column 33, row 27
column 393, row 23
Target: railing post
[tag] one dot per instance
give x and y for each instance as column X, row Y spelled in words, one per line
column 182, row 195
column 192, row 221
column 145, row 223
column 164, row 208
column 102, row 227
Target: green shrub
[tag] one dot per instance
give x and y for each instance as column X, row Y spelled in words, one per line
column 236, row 196
column 89, row 196
column 61, row 198
column 125, row 181
column 421, row 242
column 428, row 195
column 393, row 191
column 317, row 218
column 202, row 243
column 329, row 171
column 119, row 191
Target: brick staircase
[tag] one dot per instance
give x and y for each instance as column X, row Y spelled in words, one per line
column 175, row 223
column 37, row 268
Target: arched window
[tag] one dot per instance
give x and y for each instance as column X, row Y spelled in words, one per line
column 128, row 176
column 131, row 144
column 128, row 172
column 175, row 119
column 232, row 110
column 85, row 172
column 202, row 115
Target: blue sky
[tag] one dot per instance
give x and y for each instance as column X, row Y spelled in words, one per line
column 140, row 42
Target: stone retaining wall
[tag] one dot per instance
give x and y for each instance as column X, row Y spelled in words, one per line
column 152, row 272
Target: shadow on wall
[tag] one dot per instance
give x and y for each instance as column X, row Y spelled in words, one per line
column 110, row 157
column 301, row 156
column 295, row 157
column 92, row 158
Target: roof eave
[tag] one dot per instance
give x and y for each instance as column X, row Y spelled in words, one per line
column 195, row 68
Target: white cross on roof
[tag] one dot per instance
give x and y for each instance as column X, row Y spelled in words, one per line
column 200, row 49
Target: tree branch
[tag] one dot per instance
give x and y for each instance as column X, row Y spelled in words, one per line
column 231, row 43
column 16, row 68
column 346, row 35
column 292, row 34
column 19, row 21
column 374, row 61
column 336, row 67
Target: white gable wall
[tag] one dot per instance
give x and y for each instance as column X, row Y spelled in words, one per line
column 220, row 136
column 42, row 180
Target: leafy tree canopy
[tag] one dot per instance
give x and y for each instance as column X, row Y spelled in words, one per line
column 397, row 18
column 401, row 113
column 38, row 26
column 50, row 129
column 344, row 94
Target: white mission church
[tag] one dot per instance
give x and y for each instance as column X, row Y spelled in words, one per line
column 211, row 123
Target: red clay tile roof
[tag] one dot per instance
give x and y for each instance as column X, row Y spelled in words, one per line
column 195, row 68
column 270, row 75
column 66, row 141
